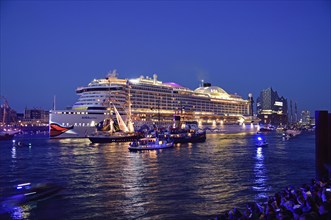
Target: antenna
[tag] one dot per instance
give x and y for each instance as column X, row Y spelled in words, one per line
column 54, row 101
column 112, row 74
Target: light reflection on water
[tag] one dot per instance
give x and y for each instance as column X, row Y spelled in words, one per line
column 261, row 177
column 13, row 152
column 192, row 181
column 23, row 212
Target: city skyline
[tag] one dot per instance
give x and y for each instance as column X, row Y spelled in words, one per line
column 50, row 48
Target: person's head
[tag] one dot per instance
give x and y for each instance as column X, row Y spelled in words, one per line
column 301, row 200
column 326, row 195
column 297, row 212
column 324, row 208
column 284, row 215
column 269, row 209
column 307, row 216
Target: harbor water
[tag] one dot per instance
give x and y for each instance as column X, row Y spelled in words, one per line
column 188, row 181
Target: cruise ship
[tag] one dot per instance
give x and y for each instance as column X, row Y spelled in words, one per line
column 146, row 101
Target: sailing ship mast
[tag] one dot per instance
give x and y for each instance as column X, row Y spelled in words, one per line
column 111, row 121
column 129, row 119
column 5, row 107
column 120, row 121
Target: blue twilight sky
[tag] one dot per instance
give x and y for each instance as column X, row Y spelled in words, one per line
column 51, row 47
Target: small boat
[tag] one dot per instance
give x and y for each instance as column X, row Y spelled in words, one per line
column 267, row 128
column 27, row 192
column 292, row 132
column 187, row 135
column 150, row 143
column 7, row 135
column 261, row 143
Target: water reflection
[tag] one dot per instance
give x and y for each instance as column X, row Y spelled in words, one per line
column 13, row 152
column 75, row 141
column 261, row 177
column 188, row 181
column 22, row 212
column 134, row 174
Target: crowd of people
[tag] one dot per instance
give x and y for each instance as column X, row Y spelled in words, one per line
column 307, row 202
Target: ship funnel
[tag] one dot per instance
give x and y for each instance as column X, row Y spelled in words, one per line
column 154, row 78
column 176, row 121
column 206, row 84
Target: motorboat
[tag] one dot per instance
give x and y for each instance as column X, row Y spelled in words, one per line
column 292, row 132
column 267, row 128
column 7, row 135
column 150, row 143
column 185, row 132
column 27, row 192
column 261, row 142
column 187, row 135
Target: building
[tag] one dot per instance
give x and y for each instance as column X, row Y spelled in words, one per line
column 271, row 108
column 35, row 116
column 306, row 119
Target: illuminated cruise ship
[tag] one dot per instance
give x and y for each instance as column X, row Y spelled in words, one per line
column 147, row 100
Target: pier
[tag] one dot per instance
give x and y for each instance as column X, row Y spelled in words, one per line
column 323, row 144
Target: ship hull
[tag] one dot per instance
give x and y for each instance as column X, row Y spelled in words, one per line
column 75, row 126
column 195, row 139
column 111, row 139
column 6, row 137
column 70, row 124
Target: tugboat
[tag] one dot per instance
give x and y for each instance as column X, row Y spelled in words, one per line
column 188, row 134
